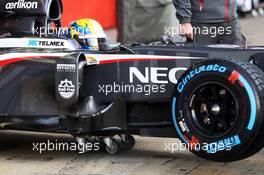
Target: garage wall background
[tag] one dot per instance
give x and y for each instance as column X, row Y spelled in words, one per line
column 104, row 11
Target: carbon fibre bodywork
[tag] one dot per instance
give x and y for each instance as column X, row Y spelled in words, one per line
column 31, row 99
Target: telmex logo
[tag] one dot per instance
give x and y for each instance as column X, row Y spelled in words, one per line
column 157, row 75
column 21, row 4
column 36, row 43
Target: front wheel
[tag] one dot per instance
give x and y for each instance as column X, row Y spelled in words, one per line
column 218, row 109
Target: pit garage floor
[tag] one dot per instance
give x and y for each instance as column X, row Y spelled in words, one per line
column 148, row 156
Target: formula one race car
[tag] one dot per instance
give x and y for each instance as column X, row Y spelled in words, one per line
column 210, row 97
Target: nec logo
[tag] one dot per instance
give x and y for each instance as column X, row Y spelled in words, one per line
column 21, row 4
column 156, row 75
column 36, row 43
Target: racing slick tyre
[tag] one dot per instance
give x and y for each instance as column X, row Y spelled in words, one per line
column 218, row 109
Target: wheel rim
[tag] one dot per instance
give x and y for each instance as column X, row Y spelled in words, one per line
column 214, row 109
column 113, row 148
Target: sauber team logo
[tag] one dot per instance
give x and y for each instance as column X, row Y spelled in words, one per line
column 21, row 4
column 66, row 89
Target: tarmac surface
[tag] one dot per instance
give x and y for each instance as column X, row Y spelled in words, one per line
column 18, row 155
column 253, row 29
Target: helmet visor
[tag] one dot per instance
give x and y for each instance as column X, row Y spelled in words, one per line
column 89, row 43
